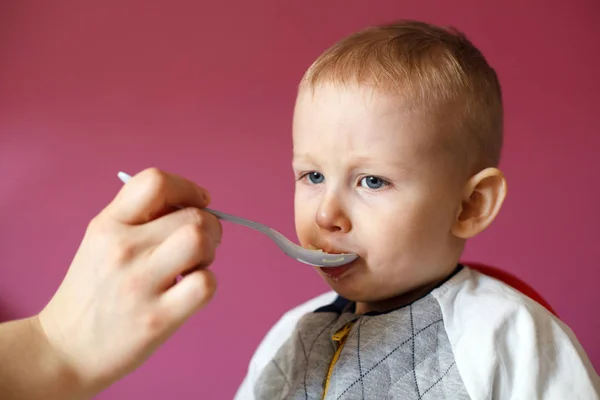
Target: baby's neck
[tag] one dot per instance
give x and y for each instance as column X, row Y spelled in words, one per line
column 401, row 300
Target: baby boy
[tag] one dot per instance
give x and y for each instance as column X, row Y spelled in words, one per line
column 397, row 136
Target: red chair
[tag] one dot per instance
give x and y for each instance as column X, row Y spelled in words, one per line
column 513, row 281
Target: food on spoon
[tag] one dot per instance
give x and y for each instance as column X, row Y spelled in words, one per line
column 313, row 248
column 325, row 260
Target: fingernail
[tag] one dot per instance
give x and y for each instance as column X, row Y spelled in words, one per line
column 205, row 196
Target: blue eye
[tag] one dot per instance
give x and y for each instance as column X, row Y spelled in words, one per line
column 373, row 182
column 315, row 177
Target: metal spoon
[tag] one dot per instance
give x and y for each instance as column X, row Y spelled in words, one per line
column 317, row 258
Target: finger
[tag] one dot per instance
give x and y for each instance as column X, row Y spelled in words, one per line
column 190, row 294
column 152, row 193
column 187, row 248
column 157, row 231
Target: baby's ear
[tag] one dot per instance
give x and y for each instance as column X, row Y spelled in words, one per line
column 482, row 198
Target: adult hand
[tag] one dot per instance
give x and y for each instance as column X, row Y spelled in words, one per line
column 121, row 298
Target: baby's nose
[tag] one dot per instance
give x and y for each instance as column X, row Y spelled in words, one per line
column 332, row 217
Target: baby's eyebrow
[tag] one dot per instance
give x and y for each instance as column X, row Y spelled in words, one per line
column 301, row 157
column 359, row 162
column 378, row 161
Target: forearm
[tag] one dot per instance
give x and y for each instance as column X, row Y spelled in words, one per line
column 30, row 368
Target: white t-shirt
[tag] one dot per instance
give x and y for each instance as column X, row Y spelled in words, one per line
column 523, row 351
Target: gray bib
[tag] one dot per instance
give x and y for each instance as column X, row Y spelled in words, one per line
column 402, row 354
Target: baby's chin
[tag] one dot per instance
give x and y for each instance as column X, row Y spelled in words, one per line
column 351, row 284
column 358, row 285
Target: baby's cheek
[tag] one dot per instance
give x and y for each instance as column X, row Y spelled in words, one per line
column 304, row 232
column 403, row 245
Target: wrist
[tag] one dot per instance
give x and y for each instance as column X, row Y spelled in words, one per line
column 30, row 368
column 55, row 368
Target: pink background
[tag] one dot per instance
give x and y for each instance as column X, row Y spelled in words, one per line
column 194, row 87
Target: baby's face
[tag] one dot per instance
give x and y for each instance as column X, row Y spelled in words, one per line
column 370, row 180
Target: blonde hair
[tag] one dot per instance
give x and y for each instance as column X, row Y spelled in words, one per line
column 436, row 71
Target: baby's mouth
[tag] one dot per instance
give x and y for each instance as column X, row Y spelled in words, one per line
column 334, row 273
